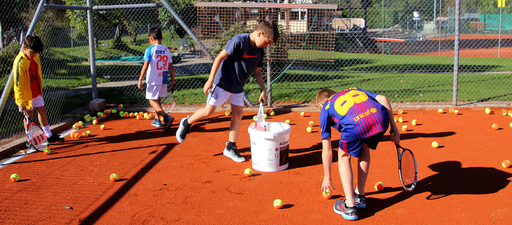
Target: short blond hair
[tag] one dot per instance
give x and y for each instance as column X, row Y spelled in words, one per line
column 323, row 95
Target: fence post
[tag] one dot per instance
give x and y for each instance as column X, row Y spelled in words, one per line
column 456, row 53
column 92, row 54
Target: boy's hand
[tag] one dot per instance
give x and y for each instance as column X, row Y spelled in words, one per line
column 174, row 86
column 395, row 136
column 23, row 109
column 207, row 87
column 140, row 85
column 327, row 185
column 263, row 96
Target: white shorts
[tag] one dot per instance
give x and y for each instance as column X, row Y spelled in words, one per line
column 153, row 92
column 218, row 96
column 36, row 102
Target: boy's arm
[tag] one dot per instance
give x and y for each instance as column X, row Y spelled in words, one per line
column 259, row 79
column 216, row 64
column 327, row 162
column 143, row 74
column 19, row 84
column 395, row 134
column 173, row 81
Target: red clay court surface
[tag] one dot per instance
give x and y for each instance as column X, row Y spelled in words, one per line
column 476, row 45
column 163, row 182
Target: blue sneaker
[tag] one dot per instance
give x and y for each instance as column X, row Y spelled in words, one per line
column 360, row 201
column 168, row 121
column 156, row 122
column 349, row 213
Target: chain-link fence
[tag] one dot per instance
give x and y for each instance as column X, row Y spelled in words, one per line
column 402, row 49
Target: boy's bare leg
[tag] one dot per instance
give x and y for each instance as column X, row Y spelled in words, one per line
column 201, row 113
column 236, row 120
column 362, row 170
column 157, row 107
column 41, row 115
column 346, row 177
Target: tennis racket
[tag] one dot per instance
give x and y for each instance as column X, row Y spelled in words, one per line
column 35, row 134
column 168, row 107
column 407, row 168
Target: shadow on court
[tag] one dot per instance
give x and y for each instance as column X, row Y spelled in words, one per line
column 451, row 179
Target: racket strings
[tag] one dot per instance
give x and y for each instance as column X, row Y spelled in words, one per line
column 408, row 168
column 37, row 136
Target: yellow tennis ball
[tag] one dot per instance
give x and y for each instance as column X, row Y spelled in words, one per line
column 435, row 144
column 114, row 177
column 379, row 186
column 405, row 128
column 414, row 122
column 278, row 203
column 309, row 129
column 440, row 111
column 248, row 172
column 495, row 126
column 400, row 120
column 14, row 177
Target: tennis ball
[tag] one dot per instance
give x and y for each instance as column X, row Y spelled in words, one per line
column 139, row 117
column 395, row 120
column 132, row 115
column 326, row 194
column 311, row 123
column 265, row 115
column 440, row 111
column 303, row 114
column 248, row 172
column 495, row 126
column 114, row 111
column 268, row 110
column 46, row 151
column 456, row 112
column 379, row 186
column 88, row 132
column 254, row 118
column 113, row 177
column 487, row 111
column 505, row 164
column 504, row 112
column 81, row 123
column 451, row 110
column 75, row 126
column 309, row 129
column 400, row 111
column 121, row 105
column 14, row 177
column 414, row 122
column 72, row 135
column 278, row 203
column 510, row 124
column 435, row 144
column 102, row 127
column 404, row 128
column 94, row 121
column 272, row 113
column 78, row 136
column 400, row 120
column 103, row 115
column 227, row 113
column 287, row 121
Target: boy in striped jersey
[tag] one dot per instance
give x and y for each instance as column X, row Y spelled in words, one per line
column 362, row 118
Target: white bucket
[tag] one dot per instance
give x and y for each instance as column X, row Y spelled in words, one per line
column 269, row 149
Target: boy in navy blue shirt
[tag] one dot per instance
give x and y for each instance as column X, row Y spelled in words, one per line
column 362, row 118
column 242, row 56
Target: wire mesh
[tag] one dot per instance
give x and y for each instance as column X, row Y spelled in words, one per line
column 402, row 49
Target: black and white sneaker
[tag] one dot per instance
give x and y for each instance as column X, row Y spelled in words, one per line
column 55, row 138
column 360, row 201
column 233, row 154
column 181, row 133
column 167, row 122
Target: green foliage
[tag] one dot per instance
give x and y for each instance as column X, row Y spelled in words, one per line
column 222, row 39
column 7, row 56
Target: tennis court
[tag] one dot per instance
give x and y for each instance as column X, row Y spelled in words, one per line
column 163, row 182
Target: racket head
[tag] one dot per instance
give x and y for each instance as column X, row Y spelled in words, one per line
column 169, row 107
column 36, row 136
column 407, row 168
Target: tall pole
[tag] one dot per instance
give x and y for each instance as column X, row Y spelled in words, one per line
column 456, row 55
column 92, row 54
column 499, row 40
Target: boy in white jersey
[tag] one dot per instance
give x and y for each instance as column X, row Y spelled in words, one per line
column 156, row 69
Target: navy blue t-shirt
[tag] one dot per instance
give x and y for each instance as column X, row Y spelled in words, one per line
column 236, row 69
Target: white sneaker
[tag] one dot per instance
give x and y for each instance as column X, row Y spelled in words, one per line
column 233, row 154
column 181, row 133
